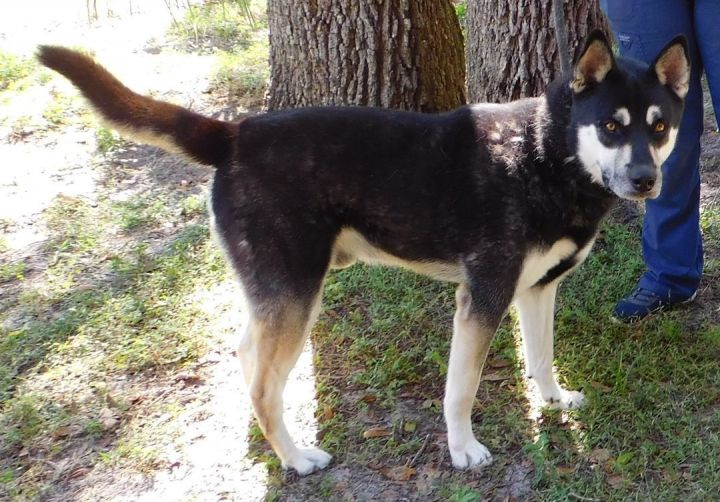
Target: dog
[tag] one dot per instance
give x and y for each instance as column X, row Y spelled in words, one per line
column 502, row 199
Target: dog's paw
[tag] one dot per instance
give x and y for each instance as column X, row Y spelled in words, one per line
column 472, row 454
column 568, row 400
column 307, row 461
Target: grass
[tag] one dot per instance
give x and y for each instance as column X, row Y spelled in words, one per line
column 98, row 312
column 113, row 311
column 236, row 31
column 241, row 77
column 653, row 389
column 225, row 24
column 107, row 141
column 14, row 71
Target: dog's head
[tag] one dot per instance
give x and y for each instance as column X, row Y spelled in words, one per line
column 625, row 115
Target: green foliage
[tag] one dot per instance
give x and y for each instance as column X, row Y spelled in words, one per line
column 12, row 271
column 652, row 389
column 224, row 24
column 107, row 141
column 710, row 223
column 461, row 12
column 237, row 32
column 242, row 77
column 14, row 70
column 107, row 309
column 461, row 493
column 57, row 112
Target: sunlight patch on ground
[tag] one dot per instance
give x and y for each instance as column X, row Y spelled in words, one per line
column 210, row 458
column 26, row 24
column 32, row 177
column 536, row 413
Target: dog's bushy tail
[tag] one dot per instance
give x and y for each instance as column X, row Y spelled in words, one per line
column 144, row 119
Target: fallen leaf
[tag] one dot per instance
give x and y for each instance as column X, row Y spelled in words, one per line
column 368, row 398
column 189, row 379
column 499, row 362
column 495, row 377
column 110, row 401
column 62, row 432
column 600, row 455
column 600, row 386
column 377, row 432
column 400, row 473
column 616, row 480
column 108, row 419
column 328, row 412
column 429, row 403
column 566, row 469
column 625, row 458
column 430, row 471
column 78, row 472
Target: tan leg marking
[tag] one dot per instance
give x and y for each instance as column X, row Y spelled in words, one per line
column 270, row 349
column 470, row 344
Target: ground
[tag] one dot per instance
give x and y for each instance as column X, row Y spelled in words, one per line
column 119, row 319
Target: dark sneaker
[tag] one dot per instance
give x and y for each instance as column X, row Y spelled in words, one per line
column 643, row 302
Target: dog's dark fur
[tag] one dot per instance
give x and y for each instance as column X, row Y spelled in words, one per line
column 498, row 198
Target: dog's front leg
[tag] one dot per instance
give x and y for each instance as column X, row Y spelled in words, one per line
column 536, row 309
column 470, row 344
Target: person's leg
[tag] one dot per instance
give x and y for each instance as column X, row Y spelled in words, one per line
column 672, row 245
column 707, row 35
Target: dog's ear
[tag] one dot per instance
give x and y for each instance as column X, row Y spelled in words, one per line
column 594, row 63
column 672, row 66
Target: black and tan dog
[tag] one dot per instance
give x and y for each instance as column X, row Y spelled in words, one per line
column 504, row 200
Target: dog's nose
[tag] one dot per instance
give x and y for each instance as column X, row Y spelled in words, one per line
column 643, row 183
column 642, row 176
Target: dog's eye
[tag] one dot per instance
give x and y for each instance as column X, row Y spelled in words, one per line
column 611, row 126
column 660, row 126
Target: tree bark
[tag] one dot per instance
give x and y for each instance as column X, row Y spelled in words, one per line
column 405, row 54
column 512, row 49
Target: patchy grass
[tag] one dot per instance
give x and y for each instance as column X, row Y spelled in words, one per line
column 241, row 77
column 237, row 33
column 223, row 24
column 58, row 111
column 12, row 271
column 107, row 141
column 653, row 390
column 15, row 70
column 113, row 314
column 108, row 310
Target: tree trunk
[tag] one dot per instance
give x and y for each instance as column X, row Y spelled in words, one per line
column 511, row 46
column 405, row 54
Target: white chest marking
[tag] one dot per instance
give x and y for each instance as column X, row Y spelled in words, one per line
column 538, row 262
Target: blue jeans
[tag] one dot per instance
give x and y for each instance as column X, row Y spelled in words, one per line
column 672, row 244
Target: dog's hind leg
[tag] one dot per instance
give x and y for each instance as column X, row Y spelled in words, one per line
column 272, row 345
column 536, row 309
column 471, row 339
